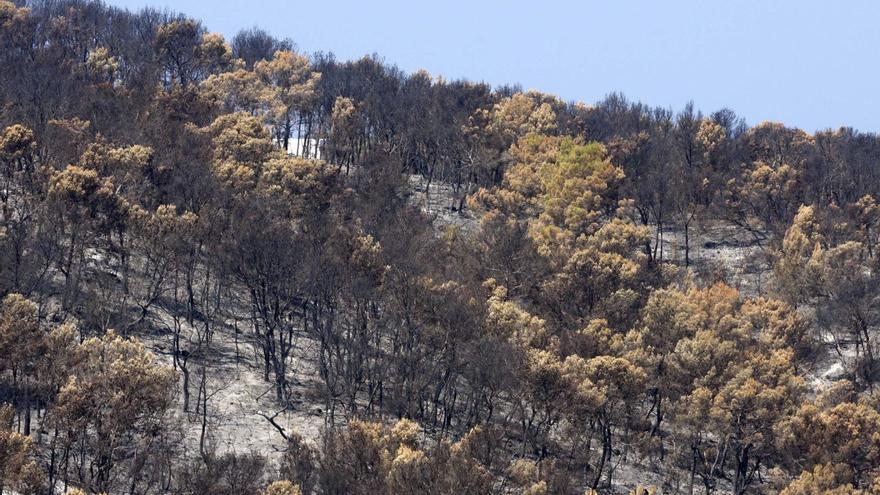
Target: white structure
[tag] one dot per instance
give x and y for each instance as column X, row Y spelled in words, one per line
column 305, row 148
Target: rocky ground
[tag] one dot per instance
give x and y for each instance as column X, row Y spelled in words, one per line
column 239, row 399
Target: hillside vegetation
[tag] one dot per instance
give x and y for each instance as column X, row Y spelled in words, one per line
column 475, row 290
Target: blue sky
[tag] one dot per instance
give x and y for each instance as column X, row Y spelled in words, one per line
column 811, row 64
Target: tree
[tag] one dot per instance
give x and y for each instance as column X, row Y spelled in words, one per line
column 770, row 189
column 228, row 474
column 115, row 403
column 188, row 54
column 823, row 479
column 667, row 318
column 17, row 156
column 820, row 264
column 254, row 45
column 693, row 346
column 747, row 409
column 607, row 389
column 344, row 133
column 293, row 81
column 17, row 471
column 699, row 142
column 371, row 458
column 282, row 488
column 241, row 91
column 299, row 462
column 500, row 126
column 847, row 436
column 354, row 461
column 241, row 145
column 565, row 192
column 82, row 201
column 22, row 343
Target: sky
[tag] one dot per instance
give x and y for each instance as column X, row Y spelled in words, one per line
column 807, row 63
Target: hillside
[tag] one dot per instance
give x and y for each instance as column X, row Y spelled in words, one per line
column 228, row 267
